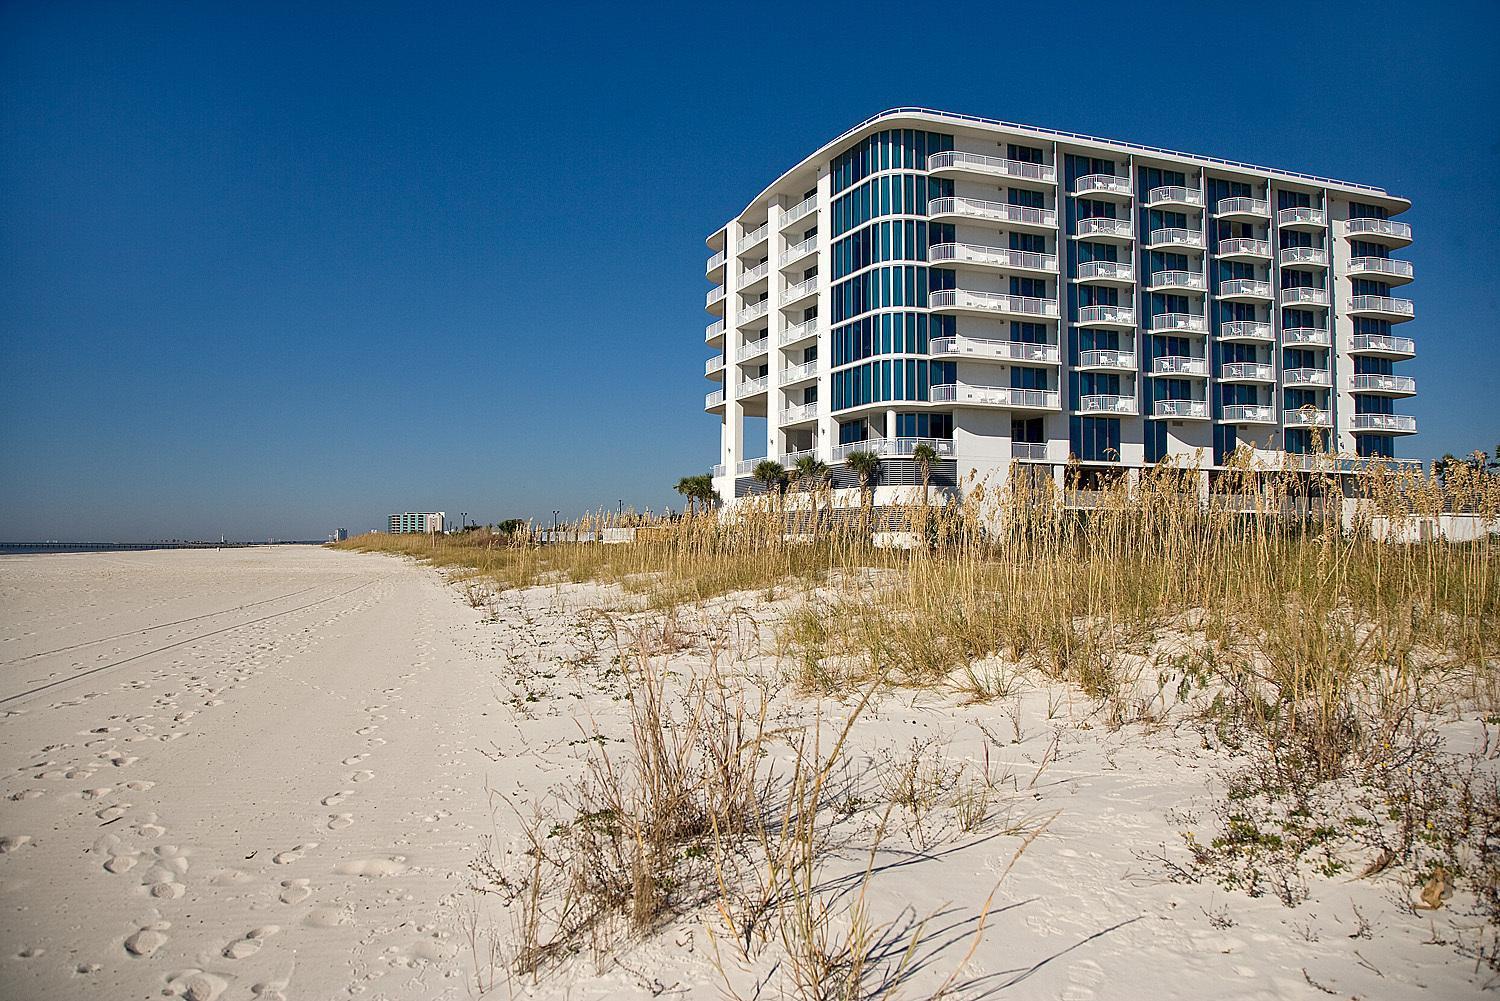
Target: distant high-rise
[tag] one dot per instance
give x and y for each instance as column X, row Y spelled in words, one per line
column 416, row 521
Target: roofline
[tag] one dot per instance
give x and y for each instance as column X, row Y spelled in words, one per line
column 932, row 114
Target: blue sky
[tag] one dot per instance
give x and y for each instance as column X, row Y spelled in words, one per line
column 269, row 270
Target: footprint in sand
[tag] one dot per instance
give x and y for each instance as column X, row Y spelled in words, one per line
column 16, row 797
column 249, row 945
column 373, row 868
column 195, row 985
column 1085, row 977
column 354, row 759
column 11, row 842
column 148, row 939
column 294, row 891
column 365, row 730
column 293, row 854
column 363, row 775
column 339, row 821
column 336, row 798
column 109, row 813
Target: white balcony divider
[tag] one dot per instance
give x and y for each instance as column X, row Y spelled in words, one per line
column 1306, row 377
column 1093, row 183
column 1005, row 350
column 1383, row 383
column 1382, row 304
column 998, row 396
column 1250, row 413
column 1247, row 371
column 1000, row 257
column 798, row 332
column 1384, row 343
column 752, row 349
column 1245, row 286
column 1101, row 403
column 1105, row 226
column 801, row 290
column 979, row 208
column 1174, row 194
column 1107, row 358
column 1181, row 408
column 753, row 237
column 1246, row 330
column 1241, row 205
column 1178, row 279
column 1179, row 365
column 1191, row 322
column 1383, row 422
column 753, row 274
column 1306, row 336
column 980, row 163
column 1118, row 315
column 1380, row 227
column 799, row 373
column 1301, row 215
column 1315, row 257
column 1116, row 270
column 1304, row 296
column 1380, row 266
column 1244, row 246
column 1176, row 236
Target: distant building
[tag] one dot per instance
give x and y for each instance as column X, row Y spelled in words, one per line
column 340, row 534
column 416, row 521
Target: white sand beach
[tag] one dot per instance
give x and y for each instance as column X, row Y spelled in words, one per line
column 265, row 773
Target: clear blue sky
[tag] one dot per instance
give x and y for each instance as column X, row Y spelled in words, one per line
column 277, row 269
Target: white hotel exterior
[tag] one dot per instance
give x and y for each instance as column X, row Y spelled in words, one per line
column 1008, row 293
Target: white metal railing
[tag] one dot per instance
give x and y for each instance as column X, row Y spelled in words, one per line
column 1382, row 304
column 801, row 290
column 1246, row 371
column 720, row 469
column 1242, row 205
column 1100, row 225
column 801, row 210
column 998, row 396
column 1119, row 315
column 1092, row 183
column 1384, row 343
column 713, row 364
column 753, row 237
column 1305, row 296
column 798, row 332
column 799, row 250
column 753, row 387
column 1244, row 246
column 790, row 459
column 1000, row 257
column 1104, row 403
column 1179, row 365
column 1029, row 351
column 892, row 447
column 1174, row 194
column 1106, row 358
column 752, row 274
column 1181, row 408
column 1311, row 336
column 1306, row 376
column 1383, row 422
column 1246, row 329
column 998, row 302
column 1178, row 279
column 1301, row 215
column 1176, row 236
column 1292, row 256
column 1043, row 172
column 1191, row 322
column 1380, row 266
column 752, row 349
column 715, row 295
column 1028, row 450
column 1116, row 270
column 716, row 260
column 1308, row 417
column 979, row 208
column 754, row 311
column 1245, row 286
column 1380, row 227
column 802, row 412
column 1249, row 413
column 797, row 373
column 747, row 465
column 713, row 399
column 714, row 329
column 1367, row 382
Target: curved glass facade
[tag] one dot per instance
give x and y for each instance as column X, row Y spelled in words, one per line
column 889, row 149
column 888, row 334
column 888, row 380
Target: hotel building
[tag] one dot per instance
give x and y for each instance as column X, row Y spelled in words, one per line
column 1010, row 294
column 416, row 521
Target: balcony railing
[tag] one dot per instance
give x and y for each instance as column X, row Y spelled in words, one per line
column 753, row 387
column 1315, row 377
column 895, row 448
column 1291, row 257
column 1181, row 408
column 1120, row 316
column 751, row 275
column 1246, row 330
column 754, row 311
column 752, row 349
column 1246, row 371
column 1000, row 257
column 1386, row 266
column 1094, row 184
column 981, row 347
column 1174, row 194
column 753, row 237
column 1308, row 417
column 1175, row 236
column 1304, row 296
column 1106, row 270
column 800, row 413
column 1393, row 423
column 801, row 210
column 746, row 466
column 1179, row 365
column 996, row 302
column 1190, row 322
column 714, row 399
column 801, row 290
column 1190, row 280
column 1244, row 246
column 1104, row 403
column 1028, row 450
column 1242, row 205
column 714, row 330
column 995, row 396
column 797, row 251
column 715, row 262
column 1105, row 226
column 798, row 332
column 720, row 469
column 979, row 163
column 1316, row 337
column 799, row 373
column 1249, row 413
column 715, row 295
column 1403, row 385
column 1301, row 215
column 1245, row 287
column 1107, row 358
column 1383, row 305
column 790, row 459
column 979, row 208
column 712, row 365
column 1388, row 228
column 1383, row 344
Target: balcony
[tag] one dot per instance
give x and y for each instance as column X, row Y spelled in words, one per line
column 978, row 208
column 1383, row 346
column 713, row 368
column 714, row 400
column 1106, row 316
column 1245, row 290
column 790, row 459
column 1028, row 450
column 1175, row 236
column 1104, row 228
column 755, row 236
column 802, row 290
column 1101, row 184
column 1385, row 269
column 1309, row 337
column 1304, row 296
column 1242, row 207
column 1174, row 196
column 797, row 333
column 1382, row 307
column 796, row 251
column 754, row 311
column 714, row 270
column 989, row 303
column 800, row 211
column 1383, row 385
column 1246, row 371
column 1302, row 257
column 1383, row 423
column 1306, row 378
column 892, row 447
column 1307, row 417
column 714, row 300
column 1107, row 360
column 752, row 275
column 713, row 334
column 1190, row 323
column 982, row 256
column 800, row 414
column 754, row 349
column 1180, row 365
column 1246, row 331
column 1178, row 281
column 1243, row 248
column 1102, row 403
column 1387, row 231
column 753, row 387
column 1248, row 413
column 1010, row 398
column 954, row 162
column 1301, row 217
column 1181, row 409
column 799, row 373
column 1107, row 272
column 986, row 349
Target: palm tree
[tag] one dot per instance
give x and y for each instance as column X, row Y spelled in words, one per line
column 698, row 489
column 812, row 474
column 925, row 455
column 866, row 465
column 770, row 473
column 688, row 487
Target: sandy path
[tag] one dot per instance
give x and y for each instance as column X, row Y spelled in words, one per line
column 247, row 773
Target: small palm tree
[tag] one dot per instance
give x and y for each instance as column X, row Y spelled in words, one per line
column 688, row 487
column 925, row 455
column 698, row 490
column 866, row 465
column 770, row 473
column 812, row 474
